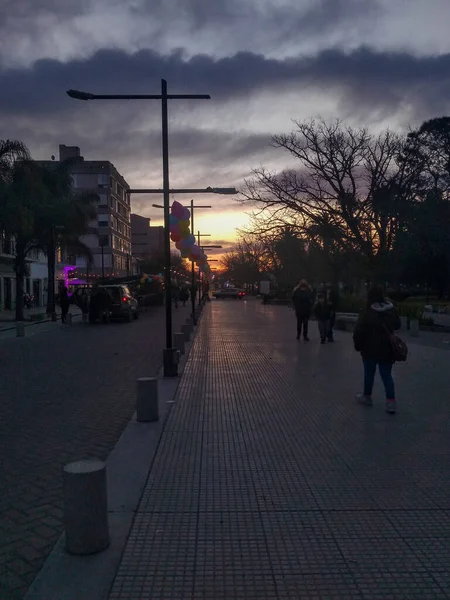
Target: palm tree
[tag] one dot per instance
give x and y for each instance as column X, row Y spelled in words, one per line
column 22, row 196
column 10, row 152
column 63, row 220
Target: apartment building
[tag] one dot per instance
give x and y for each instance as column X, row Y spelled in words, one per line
column 146, row 240
column 109, row 233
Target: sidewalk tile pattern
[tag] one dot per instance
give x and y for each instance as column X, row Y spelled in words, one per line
column 271, row 482
column 65, row 395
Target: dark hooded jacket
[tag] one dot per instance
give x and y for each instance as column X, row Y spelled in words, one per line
column 303, row 301
column 370, row 336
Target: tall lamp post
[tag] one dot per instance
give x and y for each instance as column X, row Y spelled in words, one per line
column 193, row 286
column 169, row 355
column 203, row 247
column 224, row 191
column 51, row 303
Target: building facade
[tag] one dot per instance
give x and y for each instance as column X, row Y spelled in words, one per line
column 36, row 283
column 109, row 234
column 146, row 240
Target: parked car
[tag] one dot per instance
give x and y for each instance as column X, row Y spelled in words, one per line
column 115, row 302
column 230, row 292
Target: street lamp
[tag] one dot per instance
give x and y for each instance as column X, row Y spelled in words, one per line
column 170, row 353
column 51, row 303
column 208, row 190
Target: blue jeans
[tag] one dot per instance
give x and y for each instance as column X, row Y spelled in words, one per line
column 385, row 368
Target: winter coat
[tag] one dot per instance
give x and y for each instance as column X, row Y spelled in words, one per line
column 332, row 298
column 303, row 301
column 322, row 311
column 370, row 336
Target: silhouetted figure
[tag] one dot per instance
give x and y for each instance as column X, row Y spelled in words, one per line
column 322, row 313
column 302, row 298
column 372, row 338
column 64, row 302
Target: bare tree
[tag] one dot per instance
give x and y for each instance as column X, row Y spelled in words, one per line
column 350, row 186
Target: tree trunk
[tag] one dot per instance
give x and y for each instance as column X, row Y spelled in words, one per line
column 20, row 268
column 51, row 281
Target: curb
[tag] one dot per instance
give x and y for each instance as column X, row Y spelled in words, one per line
column 67, row 577
column 32, row 323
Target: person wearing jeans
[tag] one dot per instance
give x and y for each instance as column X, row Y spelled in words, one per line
column 371, row 338
column 385, row 369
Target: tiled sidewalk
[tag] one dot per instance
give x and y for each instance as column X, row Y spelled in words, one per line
column 271, row 482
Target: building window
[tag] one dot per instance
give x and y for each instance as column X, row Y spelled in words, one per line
column 103, row 222
column 103, row 180
column 103, row 199
column 103, row 240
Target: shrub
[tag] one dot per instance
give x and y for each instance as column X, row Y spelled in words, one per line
column 351, row 304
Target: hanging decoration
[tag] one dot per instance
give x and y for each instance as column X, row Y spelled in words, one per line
column 180, row 233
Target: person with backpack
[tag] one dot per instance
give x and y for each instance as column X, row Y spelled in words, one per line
column 374, row 339
column 302, row 299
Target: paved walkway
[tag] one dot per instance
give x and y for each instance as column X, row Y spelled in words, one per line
column 270, row 482
column 66, row 393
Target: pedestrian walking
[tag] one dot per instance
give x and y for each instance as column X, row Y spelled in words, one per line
column 176, row 294
column 64, row 302
column 322, row 313
column 184, row 294
column 373, row 338
column 302, row 298
column 332, row 299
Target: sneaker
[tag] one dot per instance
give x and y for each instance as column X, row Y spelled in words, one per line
column 322, row 341
column 306, row 339
column 363, row 399
column 391, row 407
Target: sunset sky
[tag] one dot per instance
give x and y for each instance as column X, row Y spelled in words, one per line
column 264, row 62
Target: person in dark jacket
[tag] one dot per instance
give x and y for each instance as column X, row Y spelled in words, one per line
column 302, row 298
column 64, row 302
column 332, row 299
column 371, row 338
column 322, row 313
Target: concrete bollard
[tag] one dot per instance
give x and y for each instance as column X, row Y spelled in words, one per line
column 414, row 327
column 404, row 323
column 85, row 507
column 190, row 324
column 147, row 408
column 186, row 332
column 178, row 340
column 69, row 319
column 20, row 329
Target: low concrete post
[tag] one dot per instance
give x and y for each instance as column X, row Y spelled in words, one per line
column 20, row 329
column 186, row 332
column 178, row 339
column 404, row 323
column 414, row 327
column 85, row 507
column 170, row 362
column 147, row 408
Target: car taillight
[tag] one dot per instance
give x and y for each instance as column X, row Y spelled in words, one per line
column 124, row 299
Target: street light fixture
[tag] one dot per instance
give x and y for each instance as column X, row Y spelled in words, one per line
column 170, row 353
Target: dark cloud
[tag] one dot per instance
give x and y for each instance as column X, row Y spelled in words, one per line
column 364, row 77
column 267, row 21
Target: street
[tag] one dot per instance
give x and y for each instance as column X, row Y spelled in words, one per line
column 66, row 393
